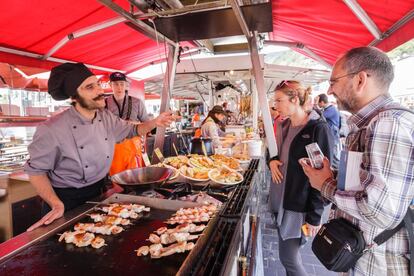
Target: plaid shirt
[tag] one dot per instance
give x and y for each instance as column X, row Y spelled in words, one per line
column 387, row 175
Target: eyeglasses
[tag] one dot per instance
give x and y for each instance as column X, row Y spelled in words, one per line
column 293, row 92
column 335, row 80
column 284, row 83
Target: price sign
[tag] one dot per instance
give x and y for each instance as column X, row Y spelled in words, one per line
column 146, row 159
column 159, row 154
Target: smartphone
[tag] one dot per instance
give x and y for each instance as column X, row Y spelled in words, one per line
column 315, row 155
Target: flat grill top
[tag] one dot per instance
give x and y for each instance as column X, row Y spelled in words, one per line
column 49, row 257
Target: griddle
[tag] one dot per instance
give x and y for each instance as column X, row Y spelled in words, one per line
column 51, row 257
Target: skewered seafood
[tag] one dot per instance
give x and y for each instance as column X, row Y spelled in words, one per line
column 82, row 239
column 176, row 237
column 155, row 249
column 182, row 228
column 124, row 210
column 196, row 214
column 154, row 238
column 114, row 220
column 142, row 251
column 172, row 249
column 99, row 228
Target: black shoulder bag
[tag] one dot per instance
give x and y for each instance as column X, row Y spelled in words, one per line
column 339, row 244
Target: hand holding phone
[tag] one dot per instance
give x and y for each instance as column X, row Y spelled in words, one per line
column 315, row 155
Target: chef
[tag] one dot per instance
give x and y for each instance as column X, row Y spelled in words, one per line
column 71, row 152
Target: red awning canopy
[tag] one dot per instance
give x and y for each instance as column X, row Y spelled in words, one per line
column 327, row 27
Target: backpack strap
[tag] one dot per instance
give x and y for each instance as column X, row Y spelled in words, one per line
column 358, row 143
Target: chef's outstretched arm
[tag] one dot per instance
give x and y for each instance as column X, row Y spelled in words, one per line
column 45, row 191
column 163, row 120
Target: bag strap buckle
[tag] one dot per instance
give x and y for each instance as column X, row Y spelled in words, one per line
column 369, row 247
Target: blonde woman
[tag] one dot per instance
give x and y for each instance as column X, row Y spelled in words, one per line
column 292, row 199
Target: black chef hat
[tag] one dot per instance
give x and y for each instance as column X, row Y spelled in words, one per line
column 117, row 76
column 65, row 79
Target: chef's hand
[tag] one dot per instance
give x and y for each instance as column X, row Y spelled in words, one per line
column 312, row 230
column 274, row 169
column 317, row 176
column 57, row 211
column 165, row 119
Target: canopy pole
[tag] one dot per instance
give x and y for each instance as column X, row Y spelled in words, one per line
column 400, row 23
column 301, row 46
column 255, row 105
column 166, row 94
column 59, row 60
column 259, row 77
column 364, row 18
column 142, row 27
column 83, row 32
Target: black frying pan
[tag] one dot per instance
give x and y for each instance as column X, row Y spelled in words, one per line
column 142, row 178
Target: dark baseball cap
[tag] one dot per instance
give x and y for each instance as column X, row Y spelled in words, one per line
column 218, row 109
column 117, row 76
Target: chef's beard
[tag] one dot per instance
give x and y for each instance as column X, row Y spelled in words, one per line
column 93, row 104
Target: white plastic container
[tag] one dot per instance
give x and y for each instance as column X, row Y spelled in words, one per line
column 255, row 147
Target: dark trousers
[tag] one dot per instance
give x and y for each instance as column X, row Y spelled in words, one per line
column 290, row 257
column 73, row 197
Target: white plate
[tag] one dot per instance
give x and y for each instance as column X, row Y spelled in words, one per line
column 213, row 171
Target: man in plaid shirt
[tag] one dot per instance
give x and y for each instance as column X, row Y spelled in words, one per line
column 360, row 81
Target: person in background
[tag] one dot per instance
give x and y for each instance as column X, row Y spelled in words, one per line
column 71, row 152
column 210, row 127
column 123, row 105
column 128, row 154
column 295, row 203
column 195, row 120
column 384, row 134
column 331, row 114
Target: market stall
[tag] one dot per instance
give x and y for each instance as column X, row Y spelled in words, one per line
column 128, row 35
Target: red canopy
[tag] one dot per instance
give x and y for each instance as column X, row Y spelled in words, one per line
column 328, row 27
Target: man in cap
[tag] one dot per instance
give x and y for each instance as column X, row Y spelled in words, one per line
column 123, row 105
column 128, row 154
column 71, row 153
